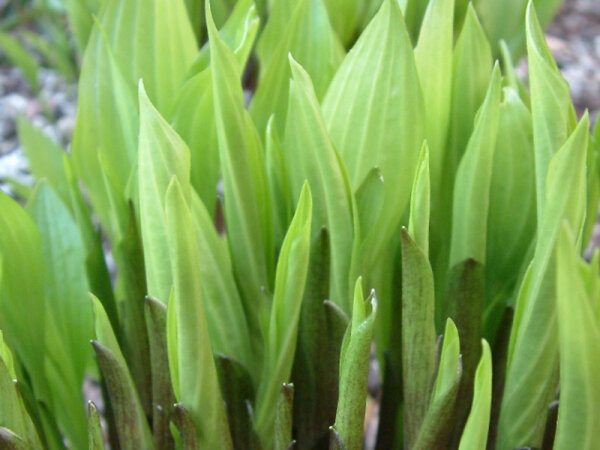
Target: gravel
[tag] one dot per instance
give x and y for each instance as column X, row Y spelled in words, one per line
column 53, row 110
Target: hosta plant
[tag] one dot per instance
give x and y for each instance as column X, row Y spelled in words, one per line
column 271, row 205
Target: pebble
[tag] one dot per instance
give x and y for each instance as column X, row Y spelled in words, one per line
column 52, row 110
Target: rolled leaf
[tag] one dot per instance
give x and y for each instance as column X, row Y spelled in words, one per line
column 366, row 109
column 303, row 30
column 476, row 430
column 309, row 150
column 130, row 419
column 198, row 388
column 354, row 367
column 247, row 208
column 418, row 336
column 532, row 356
column 579, row 347
column 552, row 110
column 292, row 268
column 438, row 424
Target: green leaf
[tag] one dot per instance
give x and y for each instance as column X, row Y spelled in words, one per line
column 552, row 110
column 185, row 424
column 532, row 357
column 195, row 357
column 239, row 395
column 317, row 360
column 5, row 353
column 418, row 336
column 365, row 111
column 290, row 278
column 131, row 287
column 579, row 347
column 354, row 367
column 247, row 205
column 512, row 212
column 476, row 430
column 20, row 57
column 465, row 299
column 162, row 391
column 69, row 315
column 309, row 150
column 22, row 289
column 45, row 157
column 438, row 424
column 279, row 182
column 106, row 123
column 11, row 413
column 130, row 419
column 420, row 202
column 228, row 326
column 345, row 17
column 473, row 179
column 282, row 434
column 192, row 114
column 128, row 26
column 162, row 154
column 471, row 68
column 96, row 441
column 301, row 29
column 80, row 14
column 433, row 57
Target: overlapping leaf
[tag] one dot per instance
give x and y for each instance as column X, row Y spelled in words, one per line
column 292, row 268
column 309, row 150
column 303, row 29
column 374, row 113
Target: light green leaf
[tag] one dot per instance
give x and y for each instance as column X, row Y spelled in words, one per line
column 247, row 204
column 579, row 347
column 511, row 223
column 418, row 336
column 433, row 57
column 197, row 376
column 279, row 182
column 309, row 150
column 471, row 68
column 292, row 268
column 80, row 14
column 162, row 154
column 476, row 430
column 69, row 315
column 301, row 29
column 420, row 201
column 22, row 289
column 227, row 324
column 473, row 179
column 552, row 110
column 354, row 367
column 532, row 356
column 366, row 108
column 106, row 121
column 128, row 26
column 192, row 114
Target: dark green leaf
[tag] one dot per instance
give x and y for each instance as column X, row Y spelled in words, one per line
column 418, row 336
